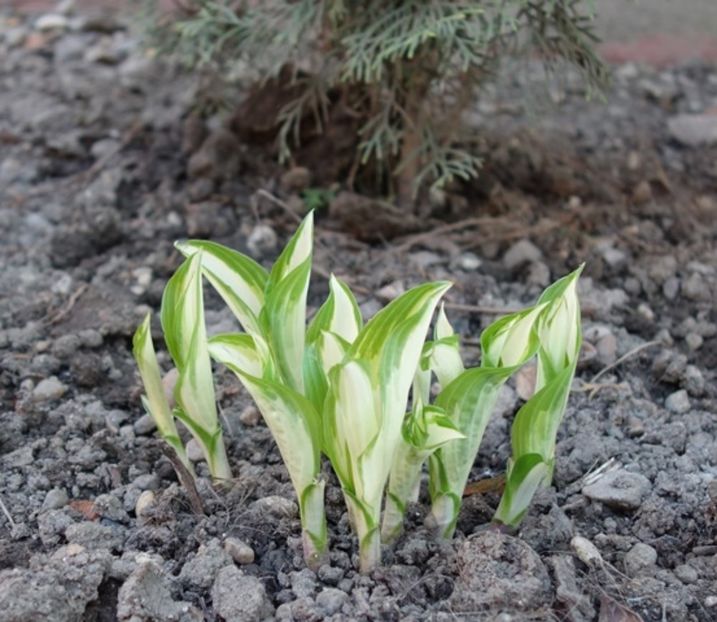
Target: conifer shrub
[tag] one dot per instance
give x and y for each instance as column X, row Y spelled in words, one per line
column 405, row 70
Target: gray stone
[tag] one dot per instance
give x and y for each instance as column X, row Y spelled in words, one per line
column 276, row 506
column 55, row 499
column 194, row 451
column 523, row 251
column 237, row 596
column 51, row 21
column 686, row 573
column 146, row 595
column 568, row 593
column 200, row 570
column 638, row 558
column 330, row 600
column 696, row 287
column 619, row 489
column 144, row 425
column 250, row 416
column 109, row 506
column 671, row 287
column 262, row 240
column 303, row 583
column 425, row 259
column 678, row 402
column 330, row 574
column 66, row 346
column 145, row 502
column 694, row 341
column 95, row 536
column 239, row 550
column 470, row 262
column 500, row 574
column 693, row 381
column 48, row 390
column 538, row 274
column 614, row 257
column 693, row 130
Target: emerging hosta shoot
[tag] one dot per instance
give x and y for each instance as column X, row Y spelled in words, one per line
column 184, row 333
column 366, row 403
column 155, row 402
column 536, row 424
column 269, row 360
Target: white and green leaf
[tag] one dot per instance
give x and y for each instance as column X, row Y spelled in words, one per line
column 238, row 279
column 155, row 402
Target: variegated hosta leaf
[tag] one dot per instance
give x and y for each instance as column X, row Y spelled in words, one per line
column 468, row 402
column 428, row 427
column 320, row 357
column 536, row 424
column 559, row 328
column 339, row 315
column 297, row 251
column 238, row 279
column 511, row 339
column 292, row 419
column 155, row 402
column 182, row 309
column 185, row 335
column 535, row 427
column 284, row 322
column 245, row 353
column 523, row 479
column 283, row 318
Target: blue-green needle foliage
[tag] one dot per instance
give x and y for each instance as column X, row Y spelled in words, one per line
column 407, row 68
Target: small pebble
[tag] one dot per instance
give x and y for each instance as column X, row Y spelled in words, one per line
column 686, row 573
column 678, row 402
column 470, row 262
column 250, row 416
column 194, row 451
column 262, row 240
column 144, row 502
column 586, row 551
column 639, row 557
column 48, row 390
column 51, row 21
column 144, row 425
column 55, row 499
column 239, row 550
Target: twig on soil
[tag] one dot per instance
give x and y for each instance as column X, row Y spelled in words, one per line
column 443, row 229
column 62, row 313
column 7, row 514
column 186, row 479
column 623, row 358
column 455, row 306
column 277, row 201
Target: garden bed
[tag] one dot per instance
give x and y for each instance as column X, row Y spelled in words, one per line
column 104, row 162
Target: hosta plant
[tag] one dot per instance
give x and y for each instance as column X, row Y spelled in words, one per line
column 359, row 394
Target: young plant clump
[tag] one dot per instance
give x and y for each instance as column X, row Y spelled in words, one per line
column 359, row 394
